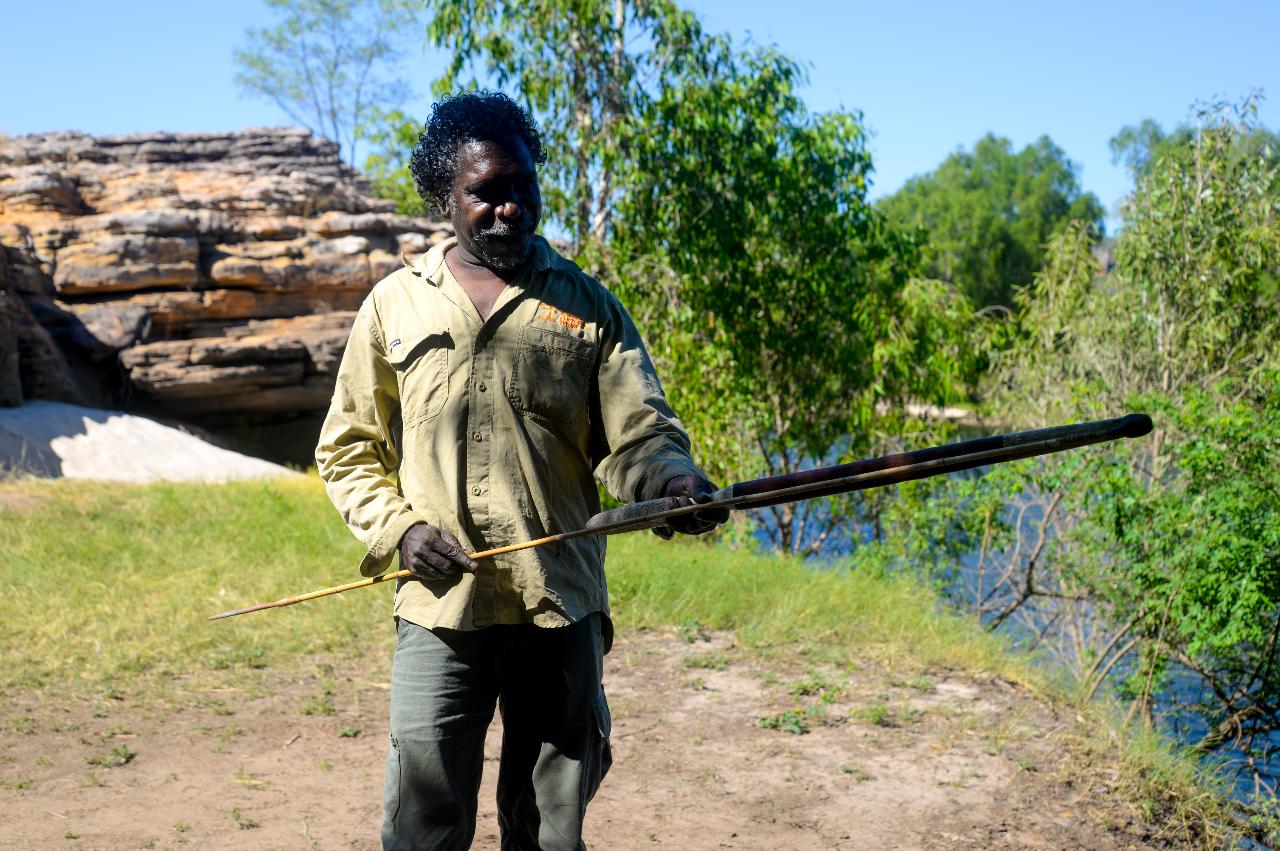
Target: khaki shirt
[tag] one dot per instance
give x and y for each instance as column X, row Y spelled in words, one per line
column 492, row 430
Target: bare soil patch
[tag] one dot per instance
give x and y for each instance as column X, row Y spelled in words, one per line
column 843, row 759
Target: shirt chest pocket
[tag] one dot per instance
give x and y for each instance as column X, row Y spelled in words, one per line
column 422, row 374
column 551, row 376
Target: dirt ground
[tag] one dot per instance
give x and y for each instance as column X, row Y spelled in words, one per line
column 870, row 760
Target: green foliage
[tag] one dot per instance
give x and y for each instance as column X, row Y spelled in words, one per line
column 1141, row 560
column 327, row 64
column 392, row 135
column 986, row 215
column 877, row 713
column 779, row 304
column 1207, row 553
column 584, row 67
column 1139, row 146
column 712, row 660
column 118, row 755
column 794, row 721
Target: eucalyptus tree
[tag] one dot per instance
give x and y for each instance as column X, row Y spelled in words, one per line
column 584, row 67
column 327, row 64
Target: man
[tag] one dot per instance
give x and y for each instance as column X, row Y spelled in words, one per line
column 481, row 389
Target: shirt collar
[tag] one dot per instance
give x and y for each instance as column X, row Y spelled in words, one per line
column 430, row 266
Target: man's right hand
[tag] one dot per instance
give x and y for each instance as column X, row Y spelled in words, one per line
column 433, row 554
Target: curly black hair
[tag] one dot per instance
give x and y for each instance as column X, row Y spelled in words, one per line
column 481, row 116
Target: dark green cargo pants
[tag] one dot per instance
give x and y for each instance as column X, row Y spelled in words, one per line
column 555, row 742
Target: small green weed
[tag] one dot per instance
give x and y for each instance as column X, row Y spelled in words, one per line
column 243, row 821
column 813, row 684
column 320, row 703
column 22, row 724
column 711, row 660
column 794, row 721
column 856, row 772
column 15, row 784
column 877, row 713
column 246, row 779
column 181, row 828
column 118, row 755
column 348, row 732
column 70, row 834
column 921, row 683
column 325, row 765
column 691, row 632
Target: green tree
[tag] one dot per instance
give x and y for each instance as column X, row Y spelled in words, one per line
column 327, row 64
column 1139, row 146
column 987, row 215
column 781, row 307
column 1158, row 556
column 781, row 304
column 392, row 135
column 583, row 66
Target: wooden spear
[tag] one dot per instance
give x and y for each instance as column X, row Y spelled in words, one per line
column 807, row 484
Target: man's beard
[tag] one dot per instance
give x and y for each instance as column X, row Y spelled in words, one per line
column 492, row 246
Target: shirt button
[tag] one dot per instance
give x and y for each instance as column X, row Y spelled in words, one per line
column 478, row 436
column 483, row 387
column 475, row 490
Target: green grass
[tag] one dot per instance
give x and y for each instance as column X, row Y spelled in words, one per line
column 108, row 587
column 779, row 605
column 103, row 586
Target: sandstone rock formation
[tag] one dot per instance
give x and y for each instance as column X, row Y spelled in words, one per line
column 192, row 274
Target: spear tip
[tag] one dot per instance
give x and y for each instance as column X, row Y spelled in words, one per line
column 254, row 608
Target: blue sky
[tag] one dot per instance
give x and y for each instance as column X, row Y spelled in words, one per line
column 930, row 77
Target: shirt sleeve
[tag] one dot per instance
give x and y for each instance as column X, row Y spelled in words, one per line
column 357, row 454
column 638, row 444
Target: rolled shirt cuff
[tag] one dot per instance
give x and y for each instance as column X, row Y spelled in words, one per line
column 384, row 548
column 657, row 475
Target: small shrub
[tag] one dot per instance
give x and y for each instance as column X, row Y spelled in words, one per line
column 878, row 714
column 794, row 721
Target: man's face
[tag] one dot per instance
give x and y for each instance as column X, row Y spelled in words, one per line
column 494, row 203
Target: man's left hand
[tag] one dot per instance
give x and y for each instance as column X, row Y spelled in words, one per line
column 692, row 489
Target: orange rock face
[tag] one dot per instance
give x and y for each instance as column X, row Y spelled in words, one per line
column 216, row 272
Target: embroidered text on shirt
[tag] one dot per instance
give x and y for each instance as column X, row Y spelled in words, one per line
column 551, row 314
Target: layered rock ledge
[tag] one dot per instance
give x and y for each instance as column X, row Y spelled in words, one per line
column 191, row 274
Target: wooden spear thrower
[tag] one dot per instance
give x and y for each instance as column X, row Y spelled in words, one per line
column 807, row 484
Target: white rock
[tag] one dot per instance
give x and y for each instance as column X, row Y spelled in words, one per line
column 54, row 439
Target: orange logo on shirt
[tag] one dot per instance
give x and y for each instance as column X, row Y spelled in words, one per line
column 559, row 317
